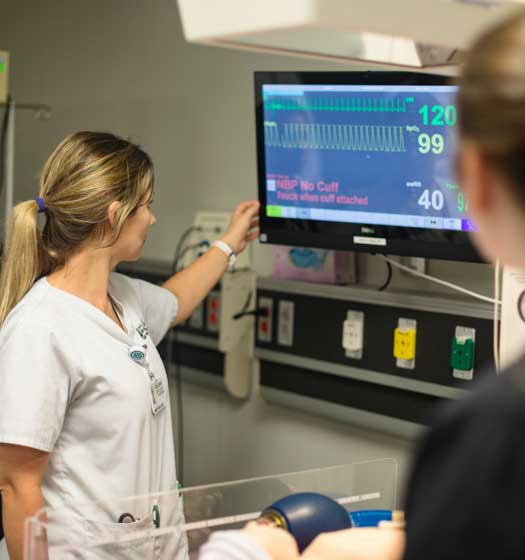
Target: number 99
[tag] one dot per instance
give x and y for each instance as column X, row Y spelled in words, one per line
column 436, row 143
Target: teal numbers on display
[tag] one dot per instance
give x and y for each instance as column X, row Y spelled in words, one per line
column 462, row 203
column 438, row 115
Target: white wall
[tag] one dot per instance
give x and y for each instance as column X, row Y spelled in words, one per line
column 123, row 66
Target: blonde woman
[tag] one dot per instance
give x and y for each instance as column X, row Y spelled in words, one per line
column 83, row 418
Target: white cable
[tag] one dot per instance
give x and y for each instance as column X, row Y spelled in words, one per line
column 497, row 303
column 442, row 282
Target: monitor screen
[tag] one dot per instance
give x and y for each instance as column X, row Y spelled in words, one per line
column 361, row 161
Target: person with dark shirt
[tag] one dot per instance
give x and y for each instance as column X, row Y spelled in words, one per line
column 466, row 494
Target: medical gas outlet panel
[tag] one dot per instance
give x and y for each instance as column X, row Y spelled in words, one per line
column 382, row 358
column 377, row 359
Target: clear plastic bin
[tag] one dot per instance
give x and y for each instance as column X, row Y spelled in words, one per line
column 186, row 518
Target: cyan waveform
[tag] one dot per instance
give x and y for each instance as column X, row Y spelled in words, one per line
column 368, row 138
column 350, row 104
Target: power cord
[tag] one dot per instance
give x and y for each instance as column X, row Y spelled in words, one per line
column 3, row 137
column 385, row 285
column 3, row 147
column 442, row 282
column 244, row 312
column 182, row 240
column 175, row 359
column 497, row 304
column 201, row 245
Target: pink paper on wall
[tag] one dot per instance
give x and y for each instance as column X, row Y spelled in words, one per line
column 314, row 265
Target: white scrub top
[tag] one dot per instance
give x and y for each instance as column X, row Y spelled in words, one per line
column 69, row 387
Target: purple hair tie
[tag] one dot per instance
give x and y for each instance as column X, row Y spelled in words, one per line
column 41, row 205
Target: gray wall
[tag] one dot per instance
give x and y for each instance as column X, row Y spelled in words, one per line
column 123, row 66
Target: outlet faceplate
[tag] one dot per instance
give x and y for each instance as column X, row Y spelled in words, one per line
column 197, row 318
column 405, row 343
column 213, row 311
column 285, row 323
column 463, row 352
column 353, row 334
column 265, row 322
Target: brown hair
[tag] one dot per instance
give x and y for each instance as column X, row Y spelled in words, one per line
column 82, row 177
column 492, row 99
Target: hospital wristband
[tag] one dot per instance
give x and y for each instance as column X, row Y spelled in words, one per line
column 228, row 251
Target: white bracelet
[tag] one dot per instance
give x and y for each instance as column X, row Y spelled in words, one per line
column 224, row 247
column 228, row 251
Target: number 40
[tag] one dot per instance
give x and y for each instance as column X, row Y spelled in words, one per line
column 436, row 200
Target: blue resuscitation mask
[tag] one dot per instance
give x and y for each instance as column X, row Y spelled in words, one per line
column 303, row 257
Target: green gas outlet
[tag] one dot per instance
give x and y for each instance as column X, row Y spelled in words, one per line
column 462, row 353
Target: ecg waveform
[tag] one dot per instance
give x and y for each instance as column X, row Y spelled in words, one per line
column 369, row 138
column 350, row 104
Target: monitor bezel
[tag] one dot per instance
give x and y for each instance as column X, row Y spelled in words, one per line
column 413, row 242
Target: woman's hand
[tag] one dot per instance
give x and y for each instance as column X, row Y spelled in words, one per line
column 278, row 544
column 194, row 283
column 357, row 544
column 244, row 226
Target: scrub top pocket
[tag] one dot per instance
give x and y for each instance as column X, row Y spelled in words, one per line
column 92, row 533
column 139, row 540
column 130, row 541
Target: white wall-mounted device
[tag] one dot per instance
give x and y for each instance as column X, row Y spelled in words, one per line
column 512, row 332
column 236, row 336
column 427, row 34
column 211, row 225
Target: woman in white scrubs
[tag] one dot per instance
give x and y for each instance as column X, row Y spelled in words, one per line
column 84, row 404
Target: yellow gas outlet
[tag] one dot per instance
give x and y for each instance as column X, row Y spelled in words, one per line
column 405, row 344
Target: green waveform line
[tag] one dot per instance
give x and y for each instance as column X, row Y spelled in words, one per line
column 349, row 104
column 369, row 138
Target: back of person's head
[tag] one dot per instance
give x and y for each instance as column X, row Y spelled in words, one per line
column 492, row 100
column 82, row 177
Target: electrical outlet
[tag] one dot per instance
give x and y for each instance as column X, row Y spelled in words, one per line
column 197, row 318
column 353, row 334
column 285, row 323
column 213, row 311
column 462, row 353
column 405, row 343
column 265, row 322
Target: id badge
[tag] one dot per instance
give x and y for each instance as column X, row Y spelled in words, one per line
column 157, row 395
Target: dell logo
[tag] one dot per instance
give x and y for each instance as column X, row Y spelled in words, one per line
column 367, row 230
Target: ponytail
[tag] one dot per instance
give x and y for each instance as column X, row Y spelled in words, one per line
column 84, row 175
column 22, row 263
